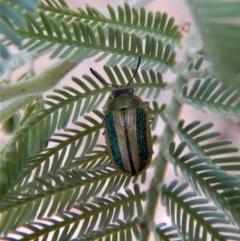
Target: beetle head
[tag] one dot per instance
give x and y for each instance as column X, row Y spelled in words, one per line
column 120, row 90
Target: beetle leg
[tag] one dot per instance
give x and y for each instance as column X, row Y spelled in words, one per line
column 106, row 152
column 151, row 119
column 147, row 104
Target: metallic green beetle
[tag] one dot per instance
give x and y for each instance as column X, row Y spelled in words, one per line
column 127, row 129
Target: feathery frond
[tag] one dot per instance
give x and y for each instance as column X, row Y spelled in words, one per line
column 157, row 112
column 84, row 43
column 57, row 193
column 126, row 19
column 81, row 35
column 205, row 177
column 168, row 233
column 12, row 14
column 120, row 230
column 200, row 140
column 193, row 217
column 193, row 69
column 214, row 96
column 106, row 210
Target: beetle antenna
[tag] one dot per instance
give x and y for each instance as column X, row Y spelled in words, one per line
column 136, row 70
column 99, row 77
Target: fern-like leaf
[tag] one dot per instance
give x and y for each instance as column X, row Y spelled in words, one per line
column 106, row 210
column 12, row 14
column 214, row 96
column 168, row 233
column 91, row 33
column 126, row 19
column 120, row 230
column 56, row 193
column 199, row 140
column 123, row 48
column 207, row 178
column 193, row 69
column 193, row 217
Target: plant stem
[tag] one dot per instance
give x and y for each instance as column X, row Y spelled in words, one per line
column 161, row 164
column 38, row 84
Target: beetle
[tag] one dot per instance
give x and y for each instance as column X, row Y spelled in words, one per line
column 127, row 128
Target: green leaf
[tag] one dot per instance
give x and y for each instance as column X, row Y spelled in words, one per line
column 194, row 213
column 214, row 96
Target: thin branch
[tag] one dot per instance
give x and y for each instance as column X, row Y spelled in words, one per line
column 161, row 164
column 38, row 84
